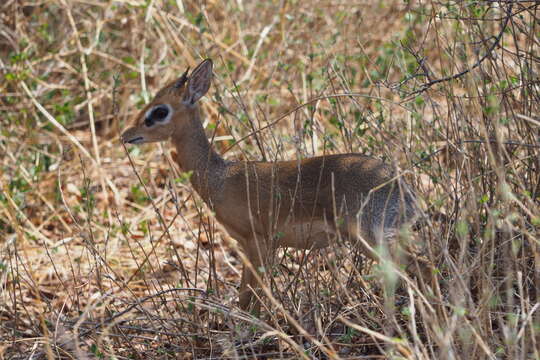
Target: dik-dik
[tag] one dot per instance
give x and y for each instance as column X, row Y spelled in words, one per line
column 264, row 205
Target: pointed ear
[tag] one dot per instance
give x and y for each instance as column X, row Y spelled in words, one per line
column 199, row 82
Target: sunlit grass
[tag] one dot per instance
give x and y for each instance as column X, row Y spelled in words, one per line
column 100, row 258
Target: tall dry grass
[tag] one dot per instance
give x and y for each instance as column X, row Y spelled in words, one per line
column 103, row 258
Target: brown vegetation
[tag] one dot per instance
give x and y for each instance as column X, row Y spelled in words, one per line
column 105, row 255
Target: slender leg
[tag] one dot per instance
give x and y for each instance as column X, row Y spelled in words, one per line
column 363, row 239
column 394, row 251
column 246, row 294
column 255, row 253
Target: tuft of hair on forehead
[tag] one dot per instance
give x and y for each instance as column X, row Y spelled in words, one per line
column 181, row 80
column 174, row 85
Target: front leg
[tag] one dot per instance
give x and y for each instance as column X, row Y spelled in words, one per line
column 256, row 253
column 247, row 283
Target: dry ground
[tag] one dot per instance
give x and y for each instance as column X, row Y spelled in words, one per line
column 101, row 257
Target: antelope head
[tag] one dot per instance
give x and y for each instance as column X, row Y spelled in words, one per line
column 172, row 107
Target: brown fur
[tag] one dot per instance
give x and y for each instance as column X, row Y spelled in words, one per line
column 264, row 205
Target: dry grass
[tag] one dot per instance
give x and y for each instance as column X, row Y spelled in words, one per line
column 96, row 262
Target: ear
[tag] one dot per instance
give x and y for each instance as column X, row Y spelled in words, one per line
column 199, row 82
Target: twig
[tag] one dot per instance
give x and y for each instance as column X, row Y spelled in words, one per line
column 315, row 99
column 429, row 84
column 476, row 141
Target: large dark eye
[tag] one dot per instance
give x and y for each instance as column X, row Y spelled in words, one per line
column 156, row 114
column 159, row 113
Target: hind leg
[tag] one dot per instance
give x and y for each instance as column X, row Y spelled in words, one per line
column 391, row 250
column 360, row 238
